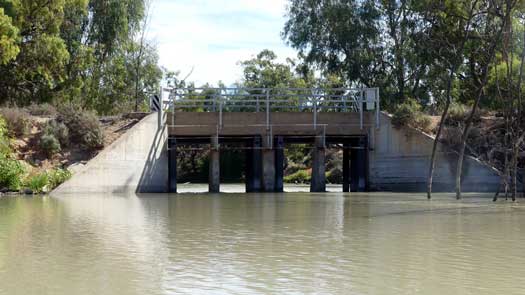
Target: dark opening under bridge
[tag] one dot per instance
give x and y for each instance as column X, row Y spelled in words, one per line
column 262, row 121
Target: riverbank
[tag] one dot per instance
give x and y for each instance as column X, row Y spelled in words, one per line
column 41, row 146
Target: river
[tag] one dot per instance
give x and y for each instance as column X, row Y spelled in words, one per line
column 295, row 243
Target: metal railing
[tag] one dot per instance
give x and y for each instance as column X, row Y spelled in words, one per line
column 269, row 100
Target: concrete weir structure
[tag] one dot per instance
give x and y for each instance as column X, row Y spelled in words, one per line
column 262, row 122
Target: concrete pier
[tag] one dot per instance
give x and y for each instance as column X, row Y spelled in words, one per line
column 172, row 165
column 346, row 168
column 214, row 179
column 358, row 159
column 268, row 165
column 253, row 167
column 318, row 181
column 279, row 164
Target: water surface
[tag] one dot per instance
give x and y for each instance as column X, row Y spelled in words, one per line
column 294, row 243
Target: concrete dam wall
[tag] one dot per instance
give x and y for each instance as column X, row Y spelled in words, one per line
column 136, row 162
column 398, row 160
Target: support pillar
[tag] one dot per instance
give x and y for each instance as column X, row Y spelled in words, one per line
column 268, row 165
column 318, row 181
column 254, row 166
column 279, row 164
column 172, row 165
column 358, row 168
column 346, row 168
column 214, row 179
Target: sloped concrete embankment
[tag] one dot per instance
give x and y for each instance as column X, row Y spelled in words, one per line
column 400, row 160
column 136, row 162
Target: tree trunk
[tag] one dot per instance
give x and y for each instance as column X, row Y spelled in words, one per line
column 485, row 74
column 468, row 122
column 438, row 135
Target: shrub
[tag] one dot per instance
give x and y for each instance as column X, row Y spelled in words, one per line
column 457, row 113
column 335, row 175
column 59, row 130
column 57, row 177
column 49, row 144
column 409, row 114
column 43, row 110
column 84, row 127
column 18, row 121
column 37, row 182
column 301, row 176
column 11, row 172
column 406, row 113
column 4, row 140
column 424, row 123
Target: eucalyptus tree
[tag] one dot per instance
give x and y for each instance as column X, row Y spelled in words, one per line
column 491, row 26
column 339, row 37
column 449, row 26
column 8, row 39
column 39, row 65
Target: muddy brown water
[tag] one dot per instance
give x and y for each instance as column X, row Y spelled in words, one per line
column 295, row 243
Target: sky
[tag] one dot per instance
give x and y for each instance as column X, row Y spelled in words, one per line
column 212, row 36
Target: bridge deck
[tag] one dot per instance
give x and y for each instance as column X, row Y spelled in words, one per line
column 279, row 123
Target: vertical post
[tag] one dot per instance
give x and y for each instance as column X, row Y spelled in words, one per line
column 267, row 109
column 268, row 165
column 220, row 113
column 159, row 114
column 172, row 165
column 378, row 109
column 318, row 181
column 361, row 109
column 315, row 112
column 279, row 164
column 358, row 164
column 346, row 167
column 215, row 174
column 253, row 166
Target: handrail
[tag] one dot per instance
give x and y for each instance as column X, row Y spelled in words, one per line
column 270, row 100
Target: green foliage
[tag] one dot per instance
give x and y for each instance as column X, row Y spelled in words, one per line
column 335, row 175
column 37, row 183
column 301, row 176
column 457, row 113
column 409, row 114
column 18, row 121
column 8, row 39
column 82, row 51
column 84, row 127
column 5, row 149
column 59, row 131
column 49, row 144
column 11, row 172
column 340, row 36
column 56, row 177
column 406, row 113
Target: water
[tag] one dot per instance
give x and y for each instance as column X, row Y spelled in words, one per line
column 261, row 244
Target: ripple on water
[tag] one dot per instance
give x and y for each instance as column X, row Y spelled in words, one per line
column 261, row 244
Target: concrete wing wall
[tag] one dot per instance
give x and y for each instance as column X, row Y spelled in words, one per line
column 400, row 161
column 136, row 162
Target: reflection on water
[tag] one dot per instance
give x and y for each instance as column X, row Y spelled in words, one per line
column 260, row 243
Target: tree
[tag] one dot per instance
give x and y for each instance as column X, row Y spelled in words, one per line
column 8, row 39
column 39, row 65
column 492, row 24
column 340, row 37
column 449, row 41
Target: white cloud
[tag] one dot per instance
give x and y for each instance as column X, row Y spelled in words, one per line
column 213, row 35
